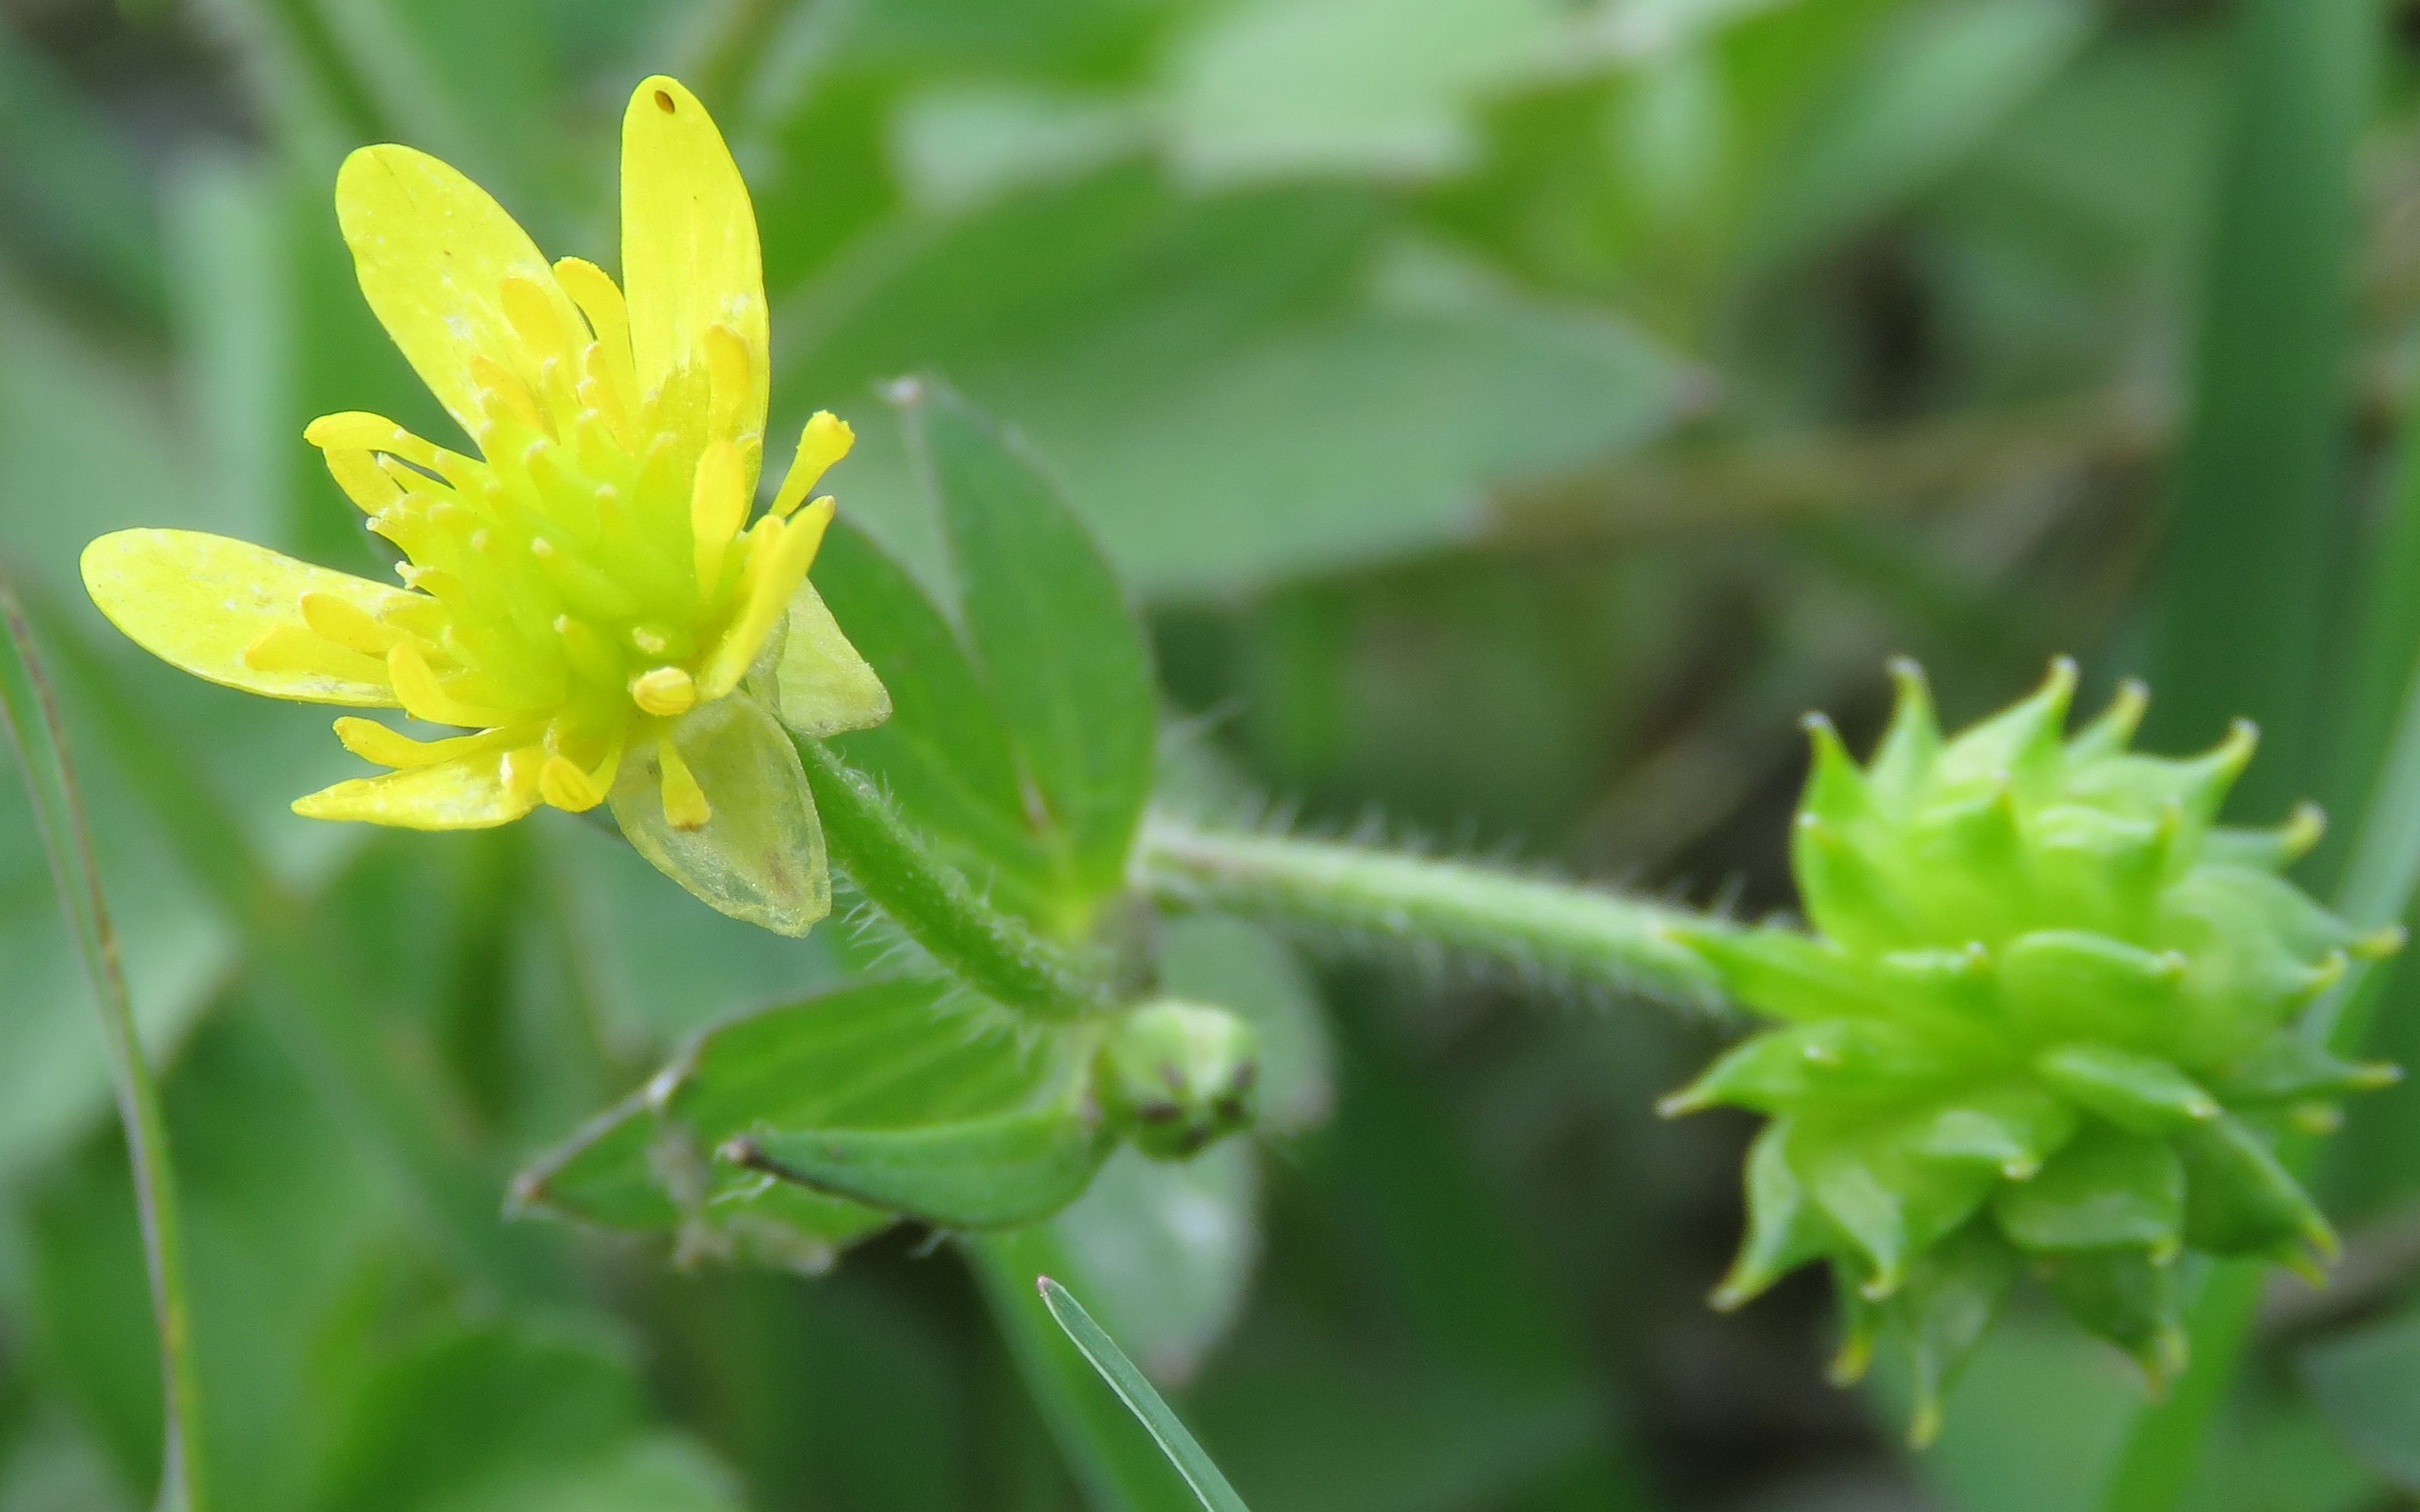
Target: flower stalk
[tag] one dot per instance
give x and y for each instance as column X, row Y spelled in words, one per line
column 1490, row 914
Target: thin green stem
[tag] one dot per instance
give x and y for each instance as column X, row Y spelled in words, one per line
column 33, row 719
column 935, row 905
column 1525, row 923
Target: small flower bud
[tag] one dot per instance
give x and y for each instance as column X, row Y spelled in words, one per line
column 1178, row 1077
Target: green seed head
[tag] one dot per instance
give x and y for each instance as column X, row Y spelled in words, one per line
column 1178, row 1077
column 2044, row 1020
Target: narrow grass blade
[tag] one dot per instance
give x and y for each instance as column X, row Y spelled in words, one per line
column 1112, row 1455
column 1136, row 1391
column 33, row 719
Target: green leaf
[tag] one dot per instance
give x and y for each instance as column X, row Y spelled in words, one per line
column 497, row 1416
column 1941, row 78
column 1300, row 87
column 1053, row 630
column 1235, row 387
column 2367, row 1381
column 1174, row 1440
column 943, row 755
column 983, row 1173
column 882, row 1055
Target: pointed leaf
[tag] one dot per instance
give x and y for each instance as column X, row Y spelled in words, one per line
column 944, row 754
column 985, row 1173
column 884, row 1054
column 1052, row 629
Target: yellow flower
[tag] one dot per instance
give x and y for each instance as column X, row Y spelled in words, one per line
column 587, row 593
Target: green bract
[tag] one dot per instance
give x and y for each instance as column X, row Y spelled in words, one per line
column 2044, row 1019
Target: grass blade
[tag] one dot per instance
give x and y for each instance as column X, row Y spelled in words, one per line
column 1115, row 1459
column 33, row 719
column 1136, row 1391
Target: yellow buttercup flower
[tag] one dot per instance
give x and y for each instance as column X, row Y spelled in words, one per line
column 587, row 593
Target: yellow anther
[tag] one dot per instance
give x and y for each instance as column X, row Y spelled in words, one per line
column 425, row 698
column 367, row 484
column 826, row 440
column 374, row 742
column 293, row 648
column 685, row 805
column 347, row 624
column 664, row 692
column 534, row 319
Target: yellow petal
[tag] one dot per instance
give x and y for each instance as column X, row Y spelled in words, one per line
column 473, row 791
column 201, row 601
column 690, row 256
column 433, row 251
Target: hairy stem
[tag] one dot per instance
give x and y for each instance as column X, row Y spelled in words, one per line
column 1490, row 915
column 33, row 719
column 935, row 905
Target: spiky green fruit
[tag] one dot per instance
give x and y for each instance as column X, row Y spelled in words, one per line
column 2044, row 1020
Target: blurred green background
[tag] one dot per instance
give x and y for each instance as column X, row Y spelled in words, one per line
column 1515, row 413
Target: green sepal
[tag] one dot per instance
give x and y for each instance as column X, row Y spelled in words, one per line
column 2241, row 1199
column 985, row 1173
column 2128, row 1297
column 822, row 686
column 2106, row 1187
column 760, row 857
column 2140, row 1094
